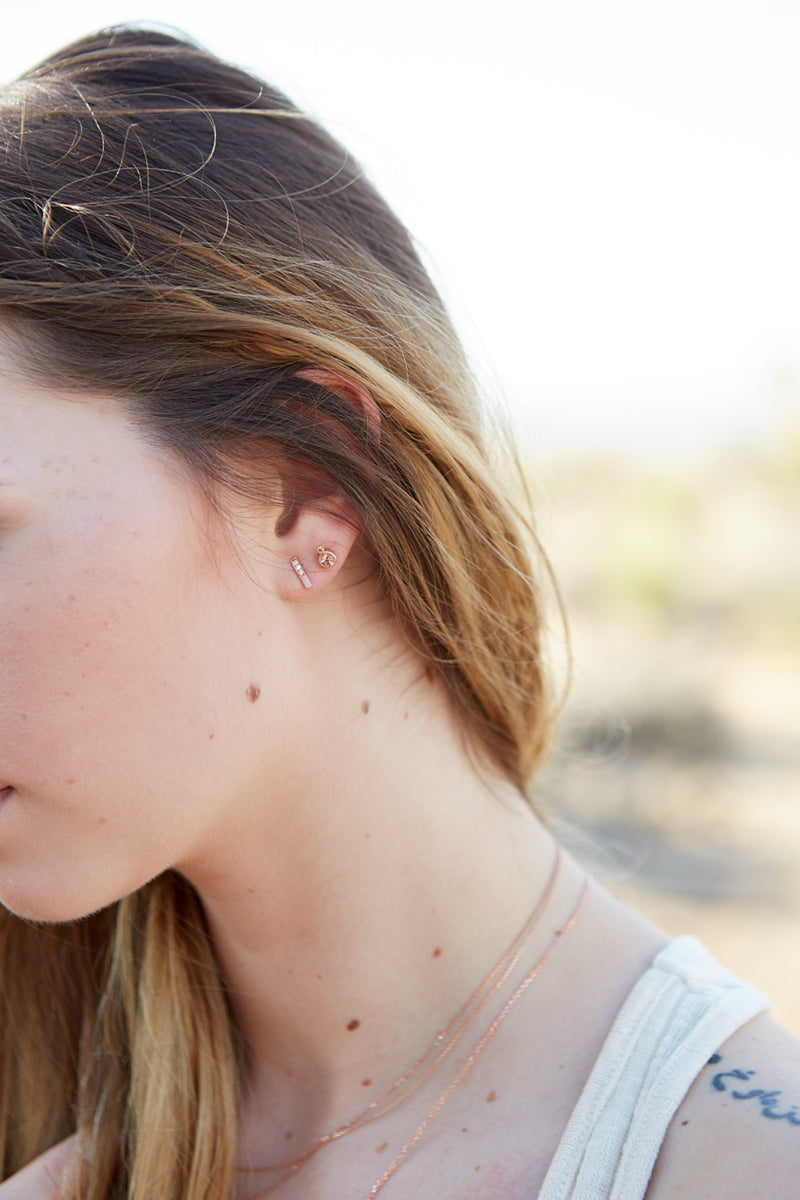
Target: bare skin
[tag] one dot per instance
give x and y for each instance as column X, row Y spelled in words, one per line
column 172, row 697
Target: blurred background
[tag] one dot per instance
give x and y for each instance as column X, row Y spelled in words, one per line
column 608, row 194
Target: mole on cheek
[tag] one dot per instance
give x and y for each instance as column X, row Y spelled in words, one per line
column 354, row 1024
column 365, row 707
column 253, row 692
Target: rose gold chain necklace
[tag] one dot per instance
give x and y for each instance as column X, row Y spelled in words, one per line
column 466, row 1015
column 480, row 1047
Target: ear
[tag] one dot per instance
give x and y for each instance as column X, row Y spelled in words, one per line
column 318, row 541
column 316, row 549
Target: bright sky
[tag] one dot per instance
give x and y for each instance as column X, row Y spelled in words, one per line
column 609, row 190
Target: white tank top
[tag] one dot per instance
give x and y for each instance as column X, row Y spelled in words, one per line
column 680, row 1011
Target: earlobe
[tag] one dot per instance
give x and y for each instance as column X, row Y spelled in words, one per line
column 316, row 550
column 326, row 559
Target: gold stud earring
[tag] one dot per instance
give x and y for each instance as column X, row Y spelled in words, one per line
column 300, row 571
column 325, row 557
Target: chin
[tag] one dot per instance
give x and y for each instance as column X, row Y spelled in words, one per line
column 47, row 906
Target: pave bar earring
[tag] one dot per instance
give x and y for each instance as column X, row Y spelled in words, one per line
column 325, row 557
column 300, row 571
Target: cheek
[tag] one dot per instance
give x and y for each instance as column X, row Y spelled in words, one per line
column 128, row 706
column 122, row 673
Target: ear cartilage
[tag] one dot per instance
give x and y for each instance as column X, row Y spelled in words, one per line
column 300, row 571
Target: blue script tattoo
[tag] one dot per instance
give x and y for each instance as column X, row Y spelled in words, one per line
column 769, row 1101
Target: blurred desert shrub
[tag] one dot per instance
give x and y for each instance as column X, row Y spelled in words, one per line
column 719, row 536
column 682, row 585
column 677, row 773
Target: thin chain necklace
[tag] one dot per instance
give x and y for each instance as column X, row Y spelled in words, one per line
column 457, row 1027
column 479, row 1048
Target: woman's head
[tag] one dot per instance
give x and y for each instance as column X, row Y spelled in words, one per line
column 208, row 312
column 179, row 238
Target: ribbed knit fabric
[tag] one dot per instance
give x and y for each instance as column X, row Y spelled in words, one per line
column 677, row 1015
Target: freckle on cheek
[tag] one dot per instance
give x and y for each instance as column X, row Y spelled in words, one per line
column 253, row 692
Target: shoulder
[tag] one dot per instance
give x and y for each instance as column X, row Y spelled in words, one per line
column 737, row 1132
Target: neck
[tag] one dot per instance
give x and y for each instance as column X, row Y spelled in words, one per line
column 353, row 916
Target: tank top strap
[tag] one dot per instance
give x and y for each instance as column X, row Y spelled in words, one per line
column 677, row 1014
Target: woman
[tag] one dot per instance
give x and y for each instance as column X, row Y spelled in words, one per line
column 278, row 917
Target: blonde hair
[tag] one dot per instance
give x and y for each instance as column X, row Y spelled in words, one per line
column 177, row 234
